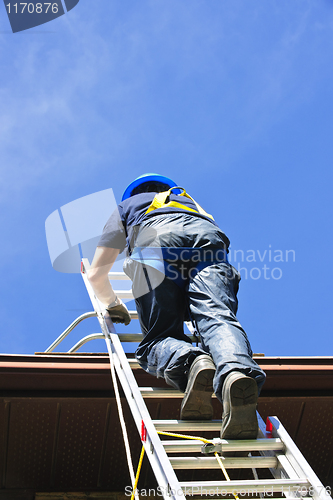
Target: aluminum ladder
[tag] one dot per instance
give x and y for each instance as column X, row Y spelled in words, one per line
column 290, row 474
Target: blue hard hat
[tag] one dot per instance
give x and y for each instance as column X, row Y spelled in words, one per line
column 142, row 179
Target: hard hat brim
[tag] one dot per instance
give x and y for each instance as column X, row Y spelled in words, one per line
column 146, row 178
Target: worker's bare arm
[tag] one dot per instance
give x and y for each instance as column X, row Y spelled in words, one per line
column 103, row 261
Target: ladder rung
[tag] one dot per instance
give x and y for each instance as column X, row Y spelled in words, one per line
column 193, row 446
column 130, row 337
column 118, row 275
column 247, row 486
column 124, row 294
column 161, row 392
column 133, row 362
column 229, row 463
column 187, row 425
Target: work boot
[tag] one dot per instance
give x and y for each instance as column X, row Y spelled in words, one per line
column 239, row 396
column 196, row 404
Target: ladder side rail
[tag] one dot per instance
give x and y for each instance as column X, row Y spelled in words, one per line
column 292, row 462
column 156, row 454
column 284, row 469
column 298, row 462
column 105, row 330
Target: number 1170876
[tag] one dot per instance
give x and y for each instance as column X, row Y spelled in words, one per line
column 38, row 8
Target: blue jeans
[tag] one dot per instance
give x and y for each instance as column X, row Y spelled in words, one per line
column 208, row 296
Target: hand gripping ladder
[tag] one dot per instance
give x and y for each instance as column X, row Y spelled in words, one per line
column 290, row 474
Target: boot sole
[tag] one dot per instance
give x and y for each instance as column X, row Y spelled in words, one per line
column 197, row 400
column 242, row 421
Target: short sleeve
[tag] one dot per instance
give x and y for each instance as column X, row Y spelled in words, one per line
column 114, row 235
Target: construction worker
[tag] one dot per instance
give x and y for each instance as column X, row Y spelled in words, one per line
column 177, row 261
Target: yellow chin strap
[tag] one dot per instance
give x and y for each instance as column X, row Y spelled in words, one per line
column 160, row 199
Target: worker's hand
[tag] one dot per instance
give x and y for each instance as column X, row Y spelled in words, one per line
column 119, row 312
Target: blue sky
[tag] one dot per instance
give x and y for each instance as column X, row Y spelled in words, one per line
column 232, row 99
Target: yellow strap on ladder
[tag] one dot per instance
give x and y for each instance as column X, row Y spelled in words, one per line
column 159, row 201
column 184, row 436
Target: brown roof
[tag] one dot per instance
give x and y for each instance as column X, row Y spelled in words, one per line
column 59, row 428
